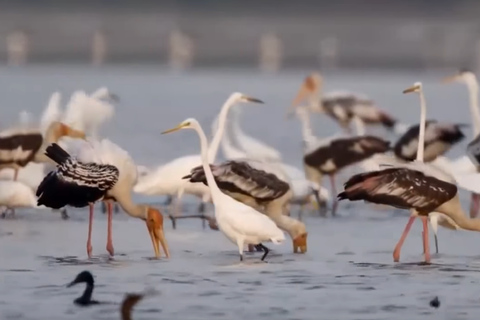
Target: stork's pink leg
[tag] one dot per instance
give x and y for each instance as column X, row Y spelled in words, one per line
column 109, row 228
column 15, row 178
column 334, row 193
column 474, row 205
column 426, row 244
column 89, row 240
column 398, row 247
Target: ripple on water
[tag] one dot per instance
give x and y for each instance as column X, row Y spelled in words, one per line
column 392, row 308
column 317, row 287
column 104, row 260
column 210, row 293
column 176, row 281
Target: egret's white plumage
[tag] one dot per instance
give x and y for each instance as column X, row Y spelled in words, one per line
column 240, row 223
column 167, row 178
column 15, row 194
column 253, row 148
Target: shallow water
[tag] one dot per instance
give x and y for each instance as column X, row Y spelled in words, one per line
column 347, row 272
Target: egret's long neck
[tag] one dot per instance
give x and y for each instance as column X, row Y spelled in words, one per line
column 472, row 85
column 423, row 119
column 222, row 119
column 307, row 132
column 229, row 150
column 359, row 126
column 206, row 165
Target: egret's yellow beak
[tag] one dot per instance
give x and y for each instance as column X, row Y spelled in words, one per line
column 251, row 99
column 411, row 89
column 178, row 127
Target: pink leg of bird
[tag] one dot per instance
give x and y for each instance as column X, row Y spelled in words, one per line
column 398, row 247
column 89, row 240
column 109, row 227
column 474, row 205
column 15, row 178
column 334, row 192
column 426, row 244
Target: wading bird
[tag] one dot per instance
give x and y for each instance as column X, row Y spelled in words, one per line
column 342, row 106
column 104, row 172
column 417, row 186
column 239, row 222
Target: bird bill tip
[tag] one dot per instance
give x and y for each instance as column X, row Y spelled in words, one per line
column 413, row 88
column 180, row 126
column 252, row 99
column 300, row 243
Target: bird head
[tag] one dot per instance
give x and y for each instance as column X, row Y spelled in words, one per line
column 84, row 276
column 154, row 221
column 300, row 243
column 104, row 94
column 309, row 87
column 240, row 97
column 465, row 76
column 62, row 130
column 189, row 123
column 417, row 87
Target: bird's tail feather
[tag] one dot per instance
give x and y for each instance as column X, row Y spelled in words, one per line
column 57, row 153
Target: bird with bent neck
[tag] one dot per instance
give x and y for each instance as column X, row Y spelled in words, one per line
column 85, row 299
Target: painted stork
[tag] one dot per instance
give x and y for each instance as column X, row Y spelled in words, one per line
column 107, row 172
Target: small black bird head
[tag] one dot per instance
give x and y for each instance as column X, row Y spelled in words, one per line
column 84, row 276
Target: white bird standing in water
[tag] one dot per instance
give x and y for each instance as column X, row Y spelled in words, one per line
column 167, row 178
column 240, row 223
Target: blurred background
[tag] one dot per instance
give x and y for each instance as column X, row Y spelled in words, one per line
column 269, row 34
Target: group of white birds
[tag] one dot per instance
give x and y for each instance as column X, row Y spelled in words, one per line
column 84, row 112
column 252, row 191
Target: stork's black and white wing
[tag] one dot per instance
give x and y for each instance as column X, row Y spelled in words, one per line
column 343, row 106
column 342, row 152
column 241, row 178
column 439, row 138
column 400, row 187
column 74, row 183
column 18, row 147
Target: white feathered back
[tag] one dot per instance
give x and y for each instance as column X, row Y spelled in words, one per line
column 52, row 112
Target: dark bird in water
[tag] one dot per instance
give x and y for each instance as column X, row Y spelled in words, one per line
column 129, row 302
column 86, row 299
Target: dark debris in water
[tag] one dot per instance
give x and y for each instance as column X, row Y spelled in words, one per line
column 75, row 261
column 435, row 303
column 18, row 270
